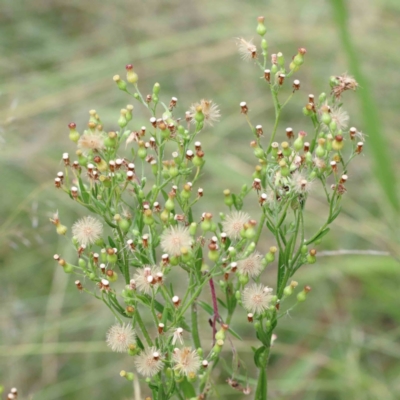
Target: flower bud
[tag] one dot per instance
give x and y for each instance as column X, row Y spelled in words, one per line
column 338, row 143
column 131, row 76
column 127, row 375
column 73, row 133
column 303, row 294
column 120, row 83
column 270, row 256
column 156, row 88
column 261, row 29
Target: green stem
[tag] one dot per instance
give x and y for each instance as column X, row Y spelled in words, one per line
column 140, row 322
column 260, row 227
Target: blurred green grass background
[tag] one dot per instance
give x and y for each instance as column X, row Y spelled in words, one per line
column 57, row 60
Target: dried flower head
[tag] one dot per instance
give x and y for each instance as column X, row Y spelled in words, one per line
column 209, row 109
column 345, row 82
column 119, row 337
column 251, row 265
column 247, row 49
column 300, row 182
column 148, row 362
column 146, row 279
column 187, row 361
column 319, row 163
column 174, row 238
column 90, row 142
column 234, row 222
column 256, row 298
column 87, row 230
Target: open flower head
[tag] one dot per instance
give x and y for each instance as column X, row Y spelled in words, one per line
column 148, row 362
column 209, row 109
column 247, row 49
column 251, row 265
column 146, row 278
column 174, row 238
column 256, row 298
column 119, row 337
column 187, row 361
column 234, row 222
column 90, row 142
column 87, row 230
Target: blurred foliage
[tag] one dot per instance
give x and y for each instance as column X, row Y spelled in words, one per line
column 56, row 62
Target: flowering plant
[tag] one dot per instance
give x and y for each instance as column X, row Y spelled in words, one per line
column 142, row 185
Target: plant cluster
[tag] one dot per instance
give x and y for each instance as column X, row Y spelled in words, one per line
column 141, row 186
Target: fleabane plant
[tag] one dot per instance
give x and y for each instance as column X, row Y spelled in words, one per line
column 140, row 186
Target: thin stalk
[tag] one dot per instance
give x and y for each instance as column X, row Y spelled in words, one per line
column 140, row 322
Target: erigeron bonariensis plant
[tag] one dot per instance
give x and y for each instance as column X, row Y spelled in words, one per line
column 141, row 184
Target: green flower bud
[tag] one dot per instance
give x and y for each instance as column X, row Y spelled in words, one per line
column 281, row 60
column 259, row 152
column 338, row 143
column 148, row 217
column 128, row 114
column 298, row 59
column 82, row 263
column 73, row 133
column 243, row 279
column 112, row 276
column 285, row 171
column 228, row 199
column 261, row 29
column 120, row 83
column 326, row 116
column 307, row 112
column 322, row 98
column 122, row 122
column 142, row 153
column 174, row 260
column 250, row 233
column 270, row 256
column 198, row 161
column 213, row 255
column 68, row 268
column 127, row 375
column 156, row 89
column 286, row 150
column 131, row 76
column 223, row 285
column 169, row 204
column 61, row 229
column 232, row 251
column 192, row 229
column 303, row 294
column 274, row 69
column 238, row 295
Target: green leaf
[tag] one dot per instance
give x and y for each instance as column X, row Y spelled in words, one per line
column 187, row 389
column 222, row 303
column 334, row 215
column 258, row 356
column 206, row 307
column 85, row 195
column 237, row 202
column 235, row 334
column 271, row 228
column 111, row 242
